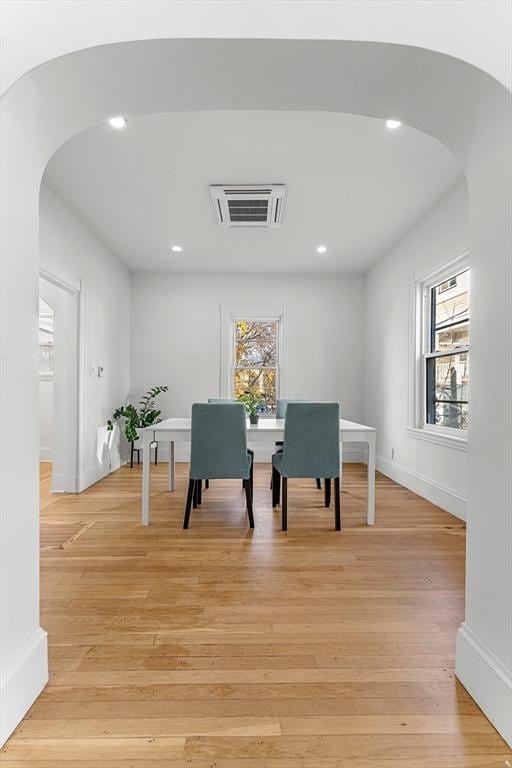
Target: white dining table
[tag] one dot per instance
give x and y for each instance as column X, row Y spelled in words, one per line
column 174, row 431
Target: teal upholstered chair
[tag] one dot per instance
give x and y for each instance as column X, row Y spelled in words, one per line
column 311, row 448
column 219, row 401
column 281, row 407
column 219, row 450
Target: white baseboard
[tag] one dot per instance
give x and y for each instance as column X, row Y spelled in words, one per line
column 22, row 682
column 94, row 474
column 59, row 481
column 352, row 453
column 438, row 494
column 485, row 678
column 45, row 453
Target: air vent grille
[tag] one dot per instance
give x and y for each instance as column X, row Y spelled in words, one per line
column 248, row 205
column 248, row 211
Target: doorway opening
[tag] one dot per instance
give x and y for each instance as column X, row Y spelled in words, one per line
column 59, row 342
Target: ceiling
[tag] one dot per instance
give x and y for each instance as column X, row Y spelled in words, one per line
column 352, row 185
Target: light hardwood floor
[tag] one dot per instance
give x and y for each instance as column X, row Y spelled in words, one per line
column 221, row 648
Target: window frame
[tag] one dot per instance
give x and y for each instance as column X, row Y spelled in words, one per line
column 235, row 367
column 429, row 343
column 421, row 336
column 229, row 316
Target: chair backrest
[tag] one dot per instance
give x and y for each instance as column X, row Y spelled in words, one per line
column 282, row 405
column 311, row 440
column 219, row 441
column 219, row 400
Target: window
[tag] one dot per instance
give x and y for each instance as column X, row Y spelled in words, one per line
column 253, row 345
column 446, row 352
column 255, row 359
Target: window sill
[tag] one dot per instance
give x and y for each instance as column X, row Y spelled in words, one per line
column 450, row 441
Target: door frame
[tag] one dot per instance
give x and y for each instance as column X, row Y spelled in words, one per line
column 75, row 441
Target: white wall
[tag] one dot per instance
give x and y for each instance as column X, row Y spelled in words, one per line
column 45, row 419
column 434, row 26
column 69, row 247
column 484, row 642
column 435, row 471
column 175, row 334
column 46, row 318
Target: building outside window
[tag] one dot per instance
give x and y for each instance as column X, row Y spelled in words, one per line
column 446, row 352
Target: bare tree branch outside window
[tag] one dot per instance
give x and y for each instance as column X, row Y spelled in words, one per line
column 256, row 359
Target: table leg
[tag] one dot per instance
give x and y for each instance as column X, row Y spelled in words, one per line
column 370, row 519
column 147, row 438
column 171, row 467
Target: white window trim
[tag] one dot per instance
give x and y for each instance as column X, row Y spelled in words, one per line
column 230, row 313
column 419, row 284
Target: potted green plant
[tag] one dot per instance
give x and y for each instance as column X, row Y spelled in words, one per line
column 135, row 419
column 254, row 403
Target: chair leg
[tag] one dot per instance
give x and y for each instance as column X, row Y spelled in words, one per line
column 327, row 486
column 284, row 505
column 156, row 453
column 251, row 479
column 248, row 496
column 319, row 484
column 276, row 483
column 206, row 484
column 131, row 454
column 194, row 495
column 337, row 504
column 188, row 505
column 199, row 487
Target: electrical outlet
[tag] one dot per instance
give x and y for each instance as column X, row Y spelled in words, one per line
column 392, row 453
column 93, row 371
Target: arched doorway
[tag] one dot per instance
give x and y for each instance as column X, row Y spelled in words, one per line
column 466, row 110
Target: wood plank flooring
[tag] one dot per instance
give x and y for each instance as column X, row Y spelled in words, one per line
column 218, row 647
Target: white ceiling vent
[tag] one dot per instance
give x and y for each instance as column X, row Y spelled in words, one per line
column 248, row 205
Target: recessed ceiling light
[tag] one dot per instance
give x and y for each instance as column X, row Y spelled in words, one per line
column 393, row 124
column 321, row 249
column 118, row 122
column 176, row 248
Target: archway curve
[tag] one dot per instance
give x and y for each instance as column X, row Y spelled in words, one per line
column 364, row 78
column 465, row 109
